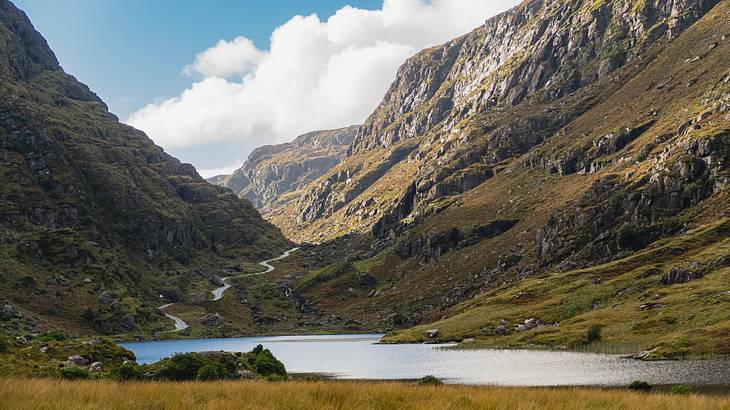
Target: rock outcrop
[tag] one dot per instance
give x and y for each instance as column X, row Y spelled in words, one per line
column 272, row 172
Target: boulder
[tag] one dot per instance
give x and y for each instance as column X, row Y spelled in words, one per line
column 77, row 360
column 367, row 279
column 7, row 312
column 678, row 275
column 501, row 330
column 245, row 374
column 529, row 324
column 650, row 306
column 433, row 333
column 96, row 367
column 212, row 320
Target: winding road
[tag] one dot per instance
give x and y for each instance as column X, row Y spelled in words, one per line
column 218, row 292
column 179, row 323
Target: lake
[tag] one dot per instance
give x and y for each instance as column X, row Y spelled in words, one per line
column 359, row 357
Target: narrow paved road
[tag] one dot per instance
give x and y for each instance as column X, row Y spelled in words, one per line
column 179, row 323
column 218, row 292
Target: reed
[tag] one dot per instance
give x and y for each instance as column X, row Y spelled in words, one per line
column 66, row 395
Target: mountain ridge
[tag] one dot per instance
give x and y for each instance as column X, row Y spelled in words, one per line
column 92, row 207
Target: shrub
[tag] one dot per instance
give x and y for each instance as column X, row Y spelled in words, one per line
column 74, row 373
column 681, row 389
column 88, row 315
column 57, row 335
column 631, row 237
column 187, row 366
column 640, row 385
column 266, row 364
column 128, row 371
column 182, row 366
column 593, row 334
column 208, row 372
column 430, row 380
column 4, row 344
column 258, row 349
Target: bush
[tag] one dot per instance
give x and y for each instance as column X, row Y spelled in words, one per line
column 258, row 349
column 3, row 343
column 266, row 364
column 430, row 380
column 74, row 373
column 593, row 334
column 208, row 372
column 128, row 371
column 681, row 389
column 187, row 366
column 640, row 386
column 632, row 237
column 51, row 335
column 183, row 366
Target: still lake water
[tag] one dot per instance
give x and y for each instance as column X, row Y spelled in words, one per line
column 359, row 357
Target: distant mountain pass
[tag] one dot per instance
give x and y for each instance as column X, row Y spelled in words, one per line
column 273, row 173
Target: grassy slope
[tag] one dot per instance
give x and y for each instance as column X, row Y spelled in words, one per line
column 142, row 222
column 694, row 317
column 48, row 394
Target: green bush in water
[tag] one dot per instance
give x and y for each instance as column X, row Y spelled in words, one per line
column 74, row 373
column 640, row 385
column 430, row 380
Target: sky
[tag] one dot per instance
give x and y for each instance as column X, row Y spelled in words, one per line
column 211, row 80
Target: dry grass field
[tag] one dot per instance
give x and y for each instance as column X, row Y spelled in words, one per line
column 66, row 395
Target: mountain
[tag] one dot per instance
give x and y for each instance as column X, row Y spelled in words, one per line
column 567, row 161
column 272, row 174
column 98, row 225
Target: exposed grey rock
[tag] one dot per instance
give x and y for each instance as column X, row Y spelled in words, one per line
column 433, row 333
column 678, row 275
column 501, row 330
column 529, row 324
column 7, row 312
column 650, row 306
column 213, row 320
column 77, row 360
column 96, row 367
column 245, row 374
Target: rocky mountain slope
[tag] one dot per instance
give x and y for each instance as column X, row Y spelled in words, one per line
column 583, row 139
column 98, row 226
column 272, row 174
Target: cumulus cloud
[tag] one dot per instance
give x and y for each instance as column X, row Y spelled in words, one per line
column 226, row 58
column 316, row 75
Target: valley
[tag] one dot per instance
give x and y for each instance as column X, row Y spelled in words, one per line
column 551, row 188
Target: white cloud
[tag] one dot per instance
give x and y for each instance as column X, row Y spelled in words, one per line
column 225, row 59
column 316, row 75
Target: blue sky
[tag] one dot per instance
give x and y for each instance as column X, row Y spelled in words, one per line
column 258, row 72
column 131, row 52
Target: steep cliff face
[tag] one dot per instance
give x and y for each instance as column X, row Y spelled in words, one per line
column 89, row 202
column 559, row 137
column 549, row 56
column 272, row 174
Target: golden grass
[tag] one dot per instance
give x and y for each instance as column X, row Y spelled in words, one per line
column 53, row 394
